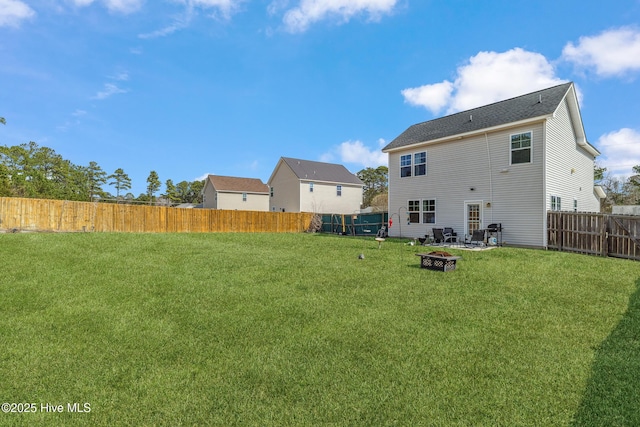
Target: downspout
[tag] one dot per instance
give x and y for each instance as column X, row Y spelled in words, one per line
column 486, row 138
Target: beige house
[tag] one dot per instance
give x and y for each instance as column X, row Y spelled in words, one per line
column 233, row 193
column 509, row 163
column 307, row 186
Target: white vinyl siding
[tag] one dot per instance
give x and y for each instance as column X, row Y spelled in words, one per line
column 325, row 198
column 286, row 190
column 515, row 193
column 242, row 201
column 569, row 167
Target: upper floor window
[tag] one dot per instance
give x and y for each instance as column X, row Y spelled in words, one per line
column 420, row 163
column 339, row 190
column 271, row 191
column 244, row 197
column 413, row 164
column 521, row 148
column 405, row 165
column 311, row 187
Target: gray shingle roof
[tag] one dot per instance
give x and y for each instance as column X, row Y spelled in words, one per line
column 236, row 184
column 319, row 171
column 500, row 113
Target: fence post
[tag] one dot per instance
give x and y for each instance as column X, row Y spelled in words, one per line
column 560, row 230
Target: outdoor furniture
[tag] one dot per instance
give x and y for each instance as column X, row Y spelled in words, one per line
column 438, row 261
column 477, row 238
column 443, row 236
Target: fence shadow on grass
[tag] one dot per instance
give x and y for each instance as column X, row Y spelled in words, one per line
column 612, row 396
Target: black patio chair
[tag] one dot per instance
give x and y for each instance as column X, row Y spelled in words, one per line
column 440, row 236
column 477, row 238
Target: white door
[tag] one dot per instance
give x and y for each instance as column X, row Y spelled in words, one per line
column 472, row 217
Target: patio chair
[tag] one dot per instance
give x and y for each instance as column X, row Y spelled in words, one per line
column 477, row 238
column 453, row 234
column 440, row 236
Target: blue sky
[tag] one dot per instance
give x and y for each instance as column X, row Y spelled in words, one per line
column 190, row 87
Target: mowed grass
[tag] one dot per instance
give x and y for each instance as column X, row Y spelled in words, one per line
column 295, row 330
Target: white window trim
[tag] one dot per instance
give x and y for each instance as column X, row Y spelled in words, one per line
column 511, row 149
column 555, row 203
column 412, row 165
column 421, row 212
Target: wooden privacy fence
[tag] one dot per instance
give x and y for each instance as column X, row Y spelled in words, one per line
column 594, row 234
column 65, row 216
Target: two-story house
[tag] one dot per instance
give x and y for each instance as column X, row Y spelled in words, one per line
column 235, row 193
column 508, row 162
column 306, row 186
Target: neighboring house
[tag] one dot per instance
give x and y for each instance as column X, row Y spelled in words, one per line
column 509, row 162
column 232, row 193
column 306, row 186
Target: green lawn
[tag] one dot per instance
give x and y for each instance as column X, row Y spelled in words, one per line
column 295, row 330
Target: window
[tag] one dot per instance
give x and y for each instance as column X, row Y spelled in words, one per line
column 311, row 187
column 429, row 211
column 413, row 164
column 422, row 211
column 420, row 163
column 556, row 204
column 339, row 190
column 414, row 211
column 575, row 205
column 405, row 166
column 244, row 197
column 271, row 191
column 521, row 148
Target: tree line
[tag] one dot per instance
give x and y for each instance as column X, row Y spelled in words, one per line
column 620, row 191
column 33, row 171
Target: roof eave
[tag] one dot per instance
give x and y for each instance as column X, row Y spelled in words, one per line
column 471, row 133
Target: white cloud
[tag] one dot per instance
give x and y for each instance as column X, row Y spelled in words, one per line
column 225, row 9
column 611, row 53
column 13, row 12
column 203, row 177
column 356, row 152
column 298, row 19
column 120, row 6
column 109, row 90
column 620, row 151
column 487, row 77
column 433, row 97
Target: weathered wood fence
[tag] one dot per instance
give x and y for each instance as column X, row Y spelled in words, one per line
column 65, row 216
column 594, row 234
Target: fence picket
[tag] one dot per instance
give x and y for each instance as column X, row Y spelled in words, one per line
column 594, row 234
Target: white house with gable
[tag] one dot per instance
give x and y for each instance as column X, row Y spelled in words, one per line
column 509, row 162
column 306, row 186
